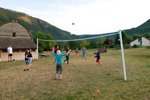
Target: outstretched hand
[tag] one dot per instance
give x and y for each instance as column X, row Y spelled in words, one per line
column 68, row 51
column 52, row 50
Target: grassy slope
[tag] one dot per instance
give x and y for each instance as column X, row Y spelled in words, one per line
column 80, row 78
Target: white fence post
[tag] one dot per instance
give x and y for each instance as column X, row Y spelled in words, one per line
column 122, row 51
column 37, row 48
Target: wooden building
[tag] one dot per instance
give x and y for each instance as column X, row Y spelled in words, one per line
column 15, row 34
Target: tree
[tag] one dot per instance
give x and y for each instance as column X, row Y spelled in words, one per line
column 112, row 40
column 64, row 45
column 128, row 39
column 101, row 42
column 52, row 44
column 148, row 35
column 135, row 36
column 107, row 41
column 93, row 44
column 74, row 44
column 84, row 43
column 42, row 45
column 48, row 37
column 124, row 37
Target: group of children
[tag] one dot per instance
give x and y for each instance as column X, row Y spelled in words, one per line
column 58, row 58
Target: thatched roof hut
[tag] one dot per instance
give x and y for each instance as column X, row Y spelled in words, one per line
column 15, row 34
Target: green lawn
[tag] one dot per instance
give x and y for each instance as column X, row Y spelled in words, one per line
column 80, row 78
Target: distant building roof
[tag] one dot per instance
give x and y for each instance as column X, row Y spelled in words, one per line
column 17, row 43
column 20, row 40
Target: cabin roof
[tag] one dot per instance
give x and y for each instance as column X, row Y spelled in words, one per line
column 17, row 43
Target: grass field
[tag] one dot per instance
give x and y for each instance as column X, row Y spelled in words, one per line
column 80, row 78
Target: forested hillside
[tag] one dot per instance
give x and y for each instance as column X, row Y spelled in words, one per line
column 142, row 29
column 34, row 25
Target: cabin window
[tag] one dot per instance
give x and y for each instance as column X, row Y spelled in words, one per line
column 14, row 34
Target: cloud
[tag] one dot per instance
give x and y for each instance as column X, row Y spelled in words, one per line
column 93, row 17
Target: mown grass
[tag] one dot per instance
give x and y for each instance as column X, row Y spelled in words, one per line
column 80, row 78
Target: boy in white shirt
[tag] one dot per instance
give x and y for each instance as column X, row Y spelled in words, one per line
column 10, row 53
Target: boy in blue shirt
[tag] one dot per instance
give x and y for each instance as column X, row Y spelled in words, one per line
column 98, row 57
column 59, row 56
column 84, row 53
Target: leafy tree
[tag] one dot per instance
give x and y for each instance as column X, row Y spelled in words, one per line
column 92, row 44
column 88, row 45
column 135, row 36
column 74, row 44
column 52, row 44
column 124, row 37
column 48, row 37
column 101, row 42
column 112, row 40
column 84, row 43
column 148, row 35
column 128, row 39
column 41, row 45
column 64, row 45
column 107, row 41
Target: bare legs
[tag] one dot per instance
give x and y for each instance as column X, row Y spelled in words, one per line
column 59, row 77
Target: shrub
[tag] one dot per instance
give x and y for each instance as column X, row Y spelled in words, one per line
column 112, row 46
column 135, row 46
column 126, row 46
column 148, row 47
column 40, row 50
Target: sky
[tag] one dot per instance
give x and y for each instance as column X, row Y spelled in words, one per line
column 88, row 16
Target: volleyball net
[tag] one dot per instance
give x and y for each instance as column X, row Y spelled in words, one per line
column 90, row 38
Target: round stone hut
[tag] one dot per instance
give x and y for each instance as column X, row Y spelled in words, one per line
column 15, row 34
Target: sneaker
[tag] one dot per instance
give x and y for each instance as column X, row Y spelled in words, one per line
column 24, row 70
column 27, row 69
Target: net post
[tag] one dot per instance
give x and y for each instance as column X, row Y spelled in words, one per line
column 37, row 48
column 122, row 51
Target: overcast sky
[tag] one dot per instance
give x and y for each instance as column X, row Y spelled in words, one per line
column 88, row 16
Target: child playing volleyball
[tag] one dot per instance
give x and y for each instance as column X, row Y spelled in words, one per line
column 77, row 52
column 59, row 56
column 84, row 53
column 98, row 57
column 67, row 56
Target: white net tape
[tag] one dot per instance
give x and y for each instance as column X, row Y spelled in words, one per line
column 103, row 35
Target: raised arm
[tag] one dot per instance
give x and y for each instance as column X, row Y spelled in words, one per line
column 68, row 52
column 53, row 52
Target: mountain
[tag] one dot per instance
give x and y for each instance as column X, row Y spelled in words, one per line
column 141, row 29
column 33, row 25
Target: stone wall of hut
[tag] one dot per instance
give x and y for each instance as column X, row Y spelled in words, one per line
column 17, row 55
